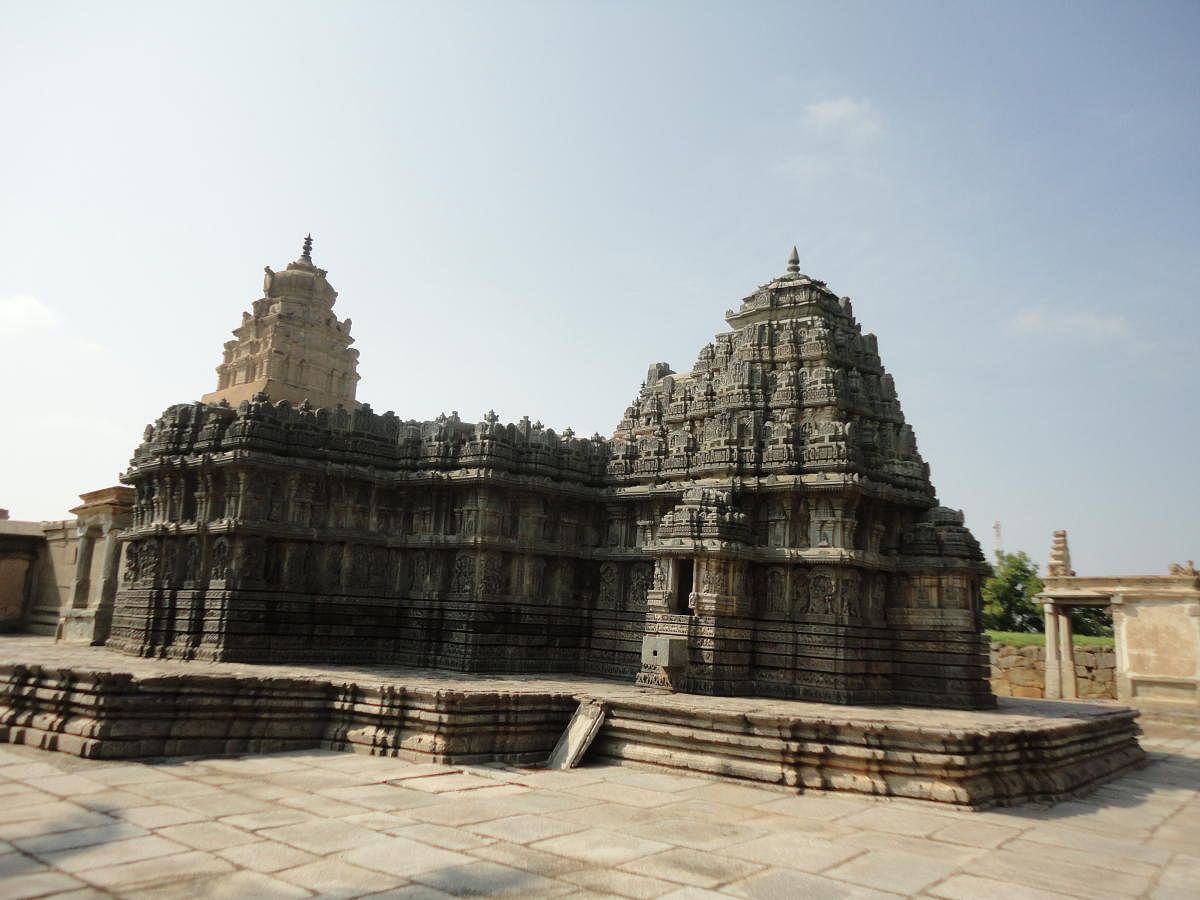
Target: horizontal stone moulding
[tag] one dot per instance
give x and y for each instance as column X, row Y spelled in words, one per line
column 1024, row 751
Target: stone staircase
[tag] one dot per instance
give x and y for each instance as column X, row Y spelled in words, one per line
column 43, row 619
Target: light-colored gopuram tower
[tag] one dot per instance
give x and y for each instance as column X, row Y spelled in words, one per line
column 291, row 345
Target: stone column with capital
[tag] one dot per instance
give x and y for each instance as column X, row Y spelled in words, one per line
column 1066, row 654
column 1053, row 684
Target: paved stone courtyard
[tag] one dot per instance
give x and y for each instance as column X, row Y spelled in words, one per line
column 346, row 825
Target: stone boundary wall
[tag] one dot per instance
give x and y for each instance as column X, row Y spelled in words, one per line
column 1021, row 672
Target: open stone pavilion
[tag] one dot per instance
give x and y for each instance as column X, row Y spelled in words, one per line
column 748, row 596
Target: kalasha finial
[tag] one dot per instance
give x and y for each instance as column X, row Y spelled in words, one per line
column 307, row 254
column 794, row 262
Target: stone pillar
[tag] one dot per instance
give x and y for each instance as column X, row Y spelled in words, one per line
column 1066, row 654
column 1053, row 687
column 203, row 492
column 82, row 585
column 109, row 582
column 243, row 479
column 1124, row 686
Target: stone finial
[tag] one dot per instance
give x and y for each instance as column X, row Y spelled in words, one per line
column 793, row 262
column 1188, row 568
column 1059, row 564
column 307, row 254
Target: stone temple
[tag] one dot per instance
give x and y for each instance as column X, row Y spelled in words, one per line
column 761, row 524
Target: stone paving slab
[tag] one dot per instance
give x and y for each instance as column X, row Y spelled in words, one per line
column 158, row 829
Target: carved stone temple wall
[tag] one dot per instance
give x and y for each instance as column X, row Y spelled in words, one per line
column 767, row 509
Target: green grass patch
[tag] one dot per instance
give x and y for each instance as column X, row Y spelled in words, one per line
column 1037, row 639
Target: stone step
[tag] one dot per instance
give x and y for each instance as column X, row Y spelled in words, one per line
column 43, row 620
column 113, row 715
column 1025, row 750
column 980, row 759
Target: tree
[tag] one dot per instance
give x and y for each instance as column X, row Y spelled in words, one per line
column 1008, row 603
column 1090, row 620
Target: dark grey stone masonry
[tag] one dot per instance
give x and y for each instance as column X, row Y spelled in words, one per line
column 769, row 506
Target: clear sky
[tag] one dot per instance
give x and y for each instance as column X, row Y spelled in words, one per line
column 522, row 205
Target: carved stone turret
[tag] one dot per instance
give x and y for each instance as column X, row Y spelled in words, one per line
column 291, row 346
column 1059, row 564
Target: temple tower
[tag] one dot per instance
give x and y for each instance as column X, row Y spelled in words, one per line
column 291, row 345
column 1059, row 564
column 799, row 546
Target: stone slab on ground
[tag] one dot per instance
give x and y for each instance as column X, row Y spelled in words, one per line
column 1135, row 837
column 581, row 731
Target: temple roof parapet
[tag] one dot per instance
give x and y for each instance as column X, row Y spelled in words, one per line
column 363, row 436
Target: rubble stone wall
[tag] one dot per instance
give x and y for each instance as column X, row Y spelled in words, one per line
column 1021, row 672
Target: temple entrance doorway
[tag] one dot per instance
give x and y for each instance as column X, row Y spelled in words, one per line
column 685, row 574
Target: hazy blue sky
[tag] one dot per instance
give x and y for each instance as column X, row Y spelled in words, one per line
column 522, row 205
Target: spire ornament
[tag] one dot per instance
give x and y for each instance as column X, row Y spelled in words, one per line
column 794, row 262
column 307, row 254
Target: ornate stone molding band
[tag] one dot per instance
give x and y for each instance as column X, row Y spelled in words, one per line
column 91, row 702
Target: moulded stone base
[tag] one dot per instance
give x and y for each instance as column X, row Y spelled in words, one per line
column 812, row 659
column 84, row 626
column 1020, row 752
column 96, row 703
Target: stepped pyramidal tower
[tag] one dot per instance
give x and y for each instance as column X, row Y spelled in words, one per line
column 762, row 524
column 291, row 345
